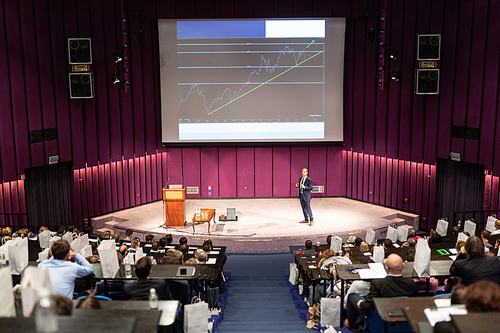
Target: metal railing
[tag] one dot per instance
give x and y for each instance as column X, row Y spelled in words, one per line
column 16, row 221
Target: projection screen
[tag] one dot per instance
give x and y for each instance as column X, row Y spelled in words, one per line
column 254, row 81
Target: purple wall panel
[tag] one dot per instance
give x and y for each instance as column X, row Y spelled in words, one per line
column 317, row 169
column 77, row 202
column 164, row 9
column 7, row 167
column 334, row 175
column 371, row 179
column 132, row 189
column 358, row 85
column 494, row 193
column 191, row 168
column 2, row 210
column 418, row 127
column 353, row 176
column 159, row 175
column 37, row 154
column 174, row 166
column 376, row 180
column 148, row 70
column 432, row 220
column 102, row 191
column 18, row 93
column 263, row 172
column 245, row 170
column 151, row 182
column 348, row 83
column 144, row 178
column 281, row 172
column 419, row 198
column 487, row 192
column 83, row 193
column 126, row 184
column 490, row 89
column 137, row 180
column 90, row 191
column 227, row 171
column 7, row 205
column 299, row 159
column 349, row 176
column 110, row 201
column 383, row 181
column 401, row 184
column 360, row 176
column 14, row 197
column 209, row 171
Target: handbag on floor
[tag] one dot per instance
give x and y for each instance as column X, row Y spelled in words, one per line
column 294, row 273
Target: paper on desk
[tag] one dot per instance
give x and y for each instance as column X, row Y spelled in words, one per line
column 312, row 266
column 367, row 254
column 214, row 252
column 442, row 302
column 453, row 251
column 442, row 314
column 378, row 267
column 396, row 245
column 190, row 252
column 453, row 258
column 369, row 274
column 212, row 261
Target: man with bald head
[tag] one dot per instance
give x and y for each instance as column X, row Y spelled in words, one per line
column 393, row 285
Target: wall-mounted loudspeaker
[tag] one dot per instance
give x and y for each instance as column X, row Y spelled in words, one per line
column 81, row 85
column 428, row 47
column 426, row 81
column 79, row 51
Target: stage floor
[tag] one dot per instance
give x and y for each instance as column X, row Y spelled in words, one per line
column 264, row 225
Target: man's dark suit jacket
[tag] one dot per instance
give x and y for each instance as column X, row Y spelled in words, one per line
column 139, row 290
column 306, row 192
column 477, row 269
column 390, row 286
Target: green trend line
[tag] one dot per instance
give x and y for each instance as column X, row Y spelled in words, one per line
column 260, row 85
column 310, row 44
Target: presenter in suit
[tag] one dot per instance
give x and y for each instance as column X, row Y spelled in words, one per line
column 305, row 186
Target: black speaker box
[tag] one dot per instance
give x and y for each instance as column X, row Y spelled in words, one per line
column 428, row 47
column 79, row 51
column 81, row 85
column 427, row 81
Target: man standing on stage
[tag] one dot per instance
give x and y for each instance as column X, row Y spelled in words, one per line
column 305, row 186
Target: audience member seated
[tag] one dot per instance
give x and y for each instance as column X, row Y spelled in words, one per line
column 326, row 255
column 410, row 255
column 308, row 245
column 116, row 237
column 42, row 229
column 150, row 238
column 411, row 233
column 182, row 240
column 62, row 271
column 202, row 257
column 317, row 252
column 64, row 306
column 139, row 290
column 497, row 228
column 208, row 241
column 485, row 237
column 191, row 262
column 329, row 240
column 434, row 238
column 457, row 294
column 476, row 267
column 358, row 241
column 134, row 244
column 154, row 247
column 106, row 235
column 61, row 231
column 388, row 247
column 89, row 302
column 197, row 253
column 410, row 243
column 92, row 259
column 393, row 285
column 6, row 234
column 482, row 296
column 460, row 247
column 128, row 234
column 172, row 257
column 90, row 231
column 165, row 241
column 364, row 247
column 184, row 248
column 351, row 239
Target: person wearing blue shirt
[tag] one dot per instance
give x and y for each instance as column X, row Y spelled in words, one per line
column 62, row 271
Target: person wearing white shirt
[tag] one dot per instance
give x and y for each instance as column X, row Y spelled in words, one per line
column 62, row 271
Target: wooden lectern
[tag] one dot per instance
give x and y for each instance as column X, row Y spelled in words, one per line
column 175, row 211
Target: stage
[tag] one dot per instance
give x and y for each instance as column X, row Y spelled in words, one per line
column 264, row 224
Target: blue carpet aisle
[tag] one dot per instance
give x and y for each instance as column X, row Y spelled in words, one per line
column 259, row 299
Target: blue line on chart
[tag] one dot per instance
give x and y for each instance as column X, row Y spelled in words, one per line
column 266, row 63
